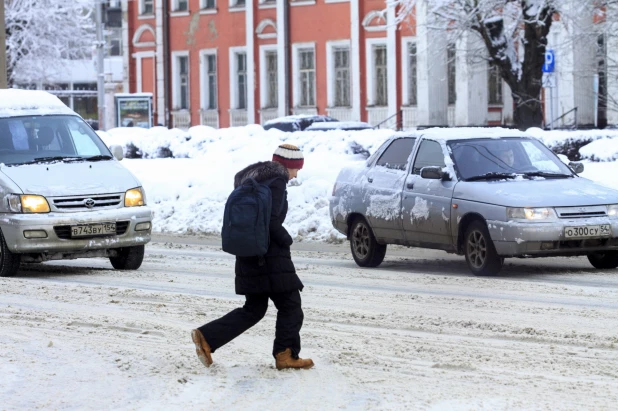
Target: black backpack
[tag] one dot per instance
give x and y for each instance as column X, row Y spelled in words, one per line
column 246, row 220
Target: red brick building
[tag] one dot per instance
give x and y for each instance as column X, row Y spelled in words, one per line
column 234, row 62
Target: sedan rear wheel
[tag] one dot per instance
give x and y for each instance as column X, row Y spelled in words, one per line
column 480, row 252
column 365, row 249
column 604, row 260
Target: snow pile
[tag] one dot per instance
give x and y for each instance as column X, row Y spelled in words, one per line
column 188, row 194
column 580, row 144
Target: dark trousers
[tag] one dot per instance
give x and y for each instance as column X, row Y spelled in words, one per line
column 289, row 321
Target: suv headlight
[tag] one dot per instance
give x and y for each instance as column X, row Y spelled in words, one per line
column 28, row 203
column 135, row 197
column 612, row 210
column 530, row 213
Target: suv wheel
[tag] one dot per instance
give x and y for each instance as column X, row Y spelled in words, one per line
column 604, row 260
column 128, row 258
column 480, row 252
column 365, row 249
column 9, row 262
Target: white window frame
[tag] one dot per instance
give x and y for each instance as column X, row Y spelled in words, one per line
column 204, row 84
column 204, row 10
column 142, row 7
column 176, row 79
column 296, row 47
column 370, row 68
column 138, row 56
column 330, row 68
column 233, row 51
column 235, row 7
column 264, row 85
column 405, row 70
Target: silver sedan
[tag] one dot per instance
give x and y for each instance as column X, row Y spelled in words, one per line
column 485, row 193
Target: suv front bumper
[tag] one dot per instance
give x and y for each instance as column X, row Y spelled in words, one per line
column 14, row 225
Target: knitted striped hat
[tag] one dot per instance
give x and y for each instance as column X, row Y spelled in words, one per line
column 290, row 156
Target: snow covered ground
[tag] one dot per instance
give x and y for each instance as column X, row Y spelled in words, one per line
column 188, row 194
column 419, row 332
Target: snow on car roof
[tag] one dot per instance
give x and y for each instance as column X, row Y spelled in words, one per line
column 295, row 117
column 15, row 102
column 456, row 133
column 338, row 125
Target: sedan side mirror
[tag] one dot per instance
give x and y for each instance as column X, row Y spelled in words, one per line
column 433, row 173
column 117, row 151
column 576, row 167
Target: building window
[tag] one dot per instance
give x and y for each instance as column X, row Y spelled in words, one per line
column 209, row 4
column 147, row 6
column 342, row 76
column 381, row 76
column 241, row 78
column 412, row 79
column 183, row 82
column 494, row 86
column 306, row 59
column 115, row 43
column 181, row 5
column 451, row 53
column 211, row 81
column 237, row 3
column 272, row 99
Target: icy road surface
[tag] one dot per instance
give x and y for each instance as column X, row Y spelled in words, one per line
column 419, row 332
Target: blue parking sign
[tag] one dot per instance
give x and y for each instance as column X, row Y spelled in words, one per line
column 550, row 62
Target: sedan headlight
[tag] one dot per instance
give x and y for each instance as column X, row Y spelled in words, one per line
column 135, row 197
column 27, row 203
column 530, row 213
column 612, row 210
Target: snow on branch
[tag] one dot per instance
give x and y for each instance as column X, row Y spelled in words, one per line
column 43, row 33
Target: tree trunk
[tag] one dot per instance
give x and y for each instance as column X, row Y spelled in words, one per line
column 528, row 114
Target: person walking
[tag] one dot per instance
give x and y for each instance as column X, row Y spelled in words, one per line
column 272, row 276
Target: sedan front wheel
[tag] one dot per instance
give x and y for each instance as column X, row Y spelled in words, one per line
column 480, row 252
column 607, row 260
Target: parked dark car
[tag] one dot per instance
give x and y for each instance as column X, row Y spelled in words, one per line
column 296, row 123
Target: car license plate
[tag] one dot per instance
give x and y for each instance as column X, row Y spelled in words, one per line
column 93, row 229
column 588, row 231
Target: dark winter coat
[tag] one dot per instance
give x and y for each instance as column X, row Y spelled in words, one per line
column 275, row 272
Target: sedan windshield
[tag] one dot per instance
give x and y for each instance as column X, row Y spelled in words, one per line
column 41, row 139
column 503, row 158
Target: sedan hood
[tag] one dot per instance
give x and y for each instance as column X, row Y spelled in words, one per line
column 562, row 192
column 71, row 179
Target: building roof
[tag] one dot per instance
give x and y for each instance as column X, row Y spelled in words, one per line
column 15, row 102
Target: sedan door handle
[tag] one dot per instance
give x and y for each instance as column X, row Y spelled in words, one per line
column 370, row 179
column 410, row 186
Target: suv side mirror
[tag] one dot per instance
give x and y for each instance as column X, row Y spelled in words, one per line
column 117, row 151
column 433, row 173
column 577, row 167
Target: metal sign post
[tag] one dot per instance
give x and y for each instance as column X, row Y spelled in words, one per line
column 549, row 81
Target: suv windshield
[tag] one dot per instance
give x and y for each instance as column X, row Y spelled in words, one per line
column 486, row 158
column 36, row 139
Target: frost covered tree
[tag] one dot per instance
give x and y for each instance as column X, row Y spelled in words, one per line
column 41, row 34
column 513, row 34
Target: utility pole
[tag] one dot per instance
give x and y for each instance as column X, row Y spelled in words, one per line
column 3, row 79
column 100, row 45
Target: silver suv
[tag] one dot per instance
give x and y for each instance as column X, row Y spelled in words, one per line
column 64, row 194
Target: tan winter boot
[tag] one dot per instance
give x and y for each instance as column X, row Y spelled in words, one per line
column 202, row 348
column 285, row 360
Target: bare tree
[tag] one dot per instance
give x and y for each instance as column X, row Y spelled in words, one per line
column 514, row 34
column 41, row 34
